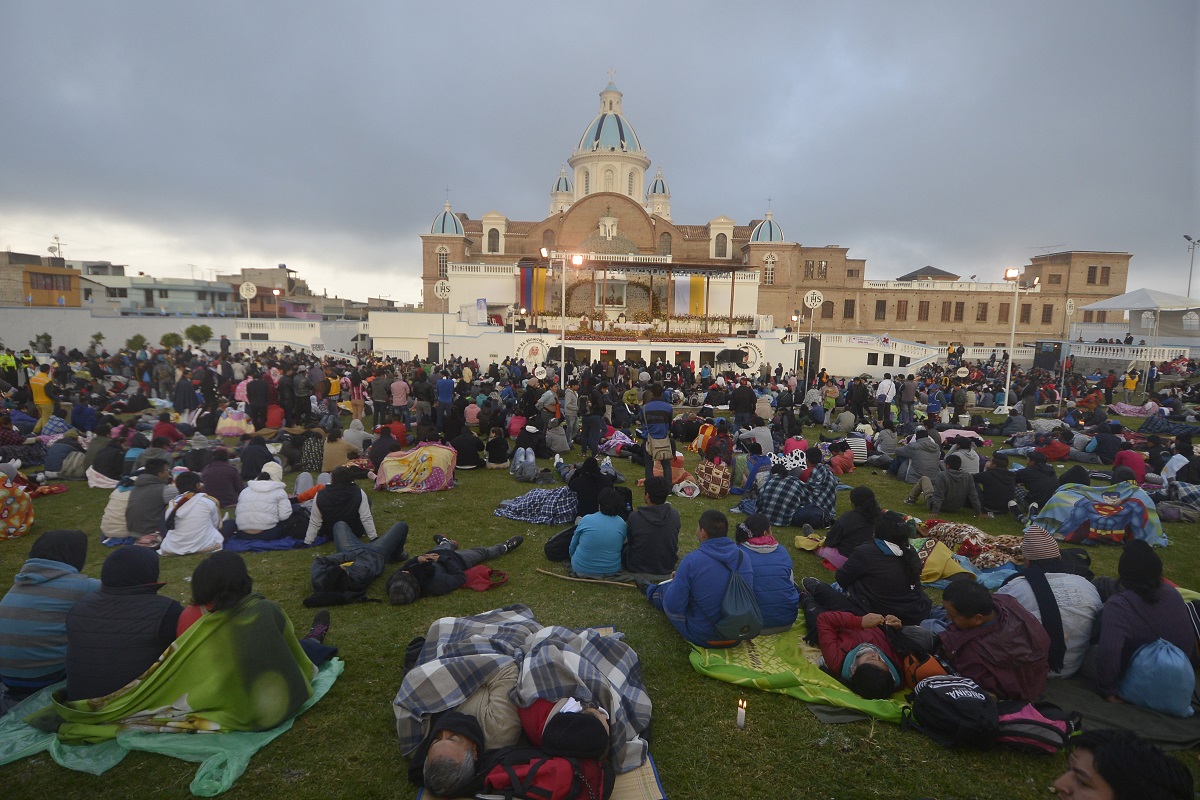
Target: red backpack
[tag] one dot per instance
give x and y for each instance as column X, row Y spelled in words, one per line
column 531, row 774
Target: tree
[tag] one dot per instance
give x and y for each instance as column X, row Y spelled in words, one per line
column 136, row 342
column 171, row 340
column 97, row 340
column 198, row 334
column 42, row 343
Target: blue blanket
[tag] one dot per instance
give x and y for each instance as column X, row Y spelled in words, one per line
column 1096, row 514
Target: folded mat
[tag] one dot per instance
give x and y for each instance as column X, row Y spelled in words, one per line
column 1169, row 733
column 642, row 783
column 781, row 663
column 263, row 545
column 223, row 757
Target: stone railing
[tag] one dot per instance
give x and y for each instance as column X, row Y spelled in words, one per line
column 943, row 286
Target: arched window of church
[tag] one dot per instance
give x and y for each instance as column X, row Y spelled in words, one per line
column 609, row 180
column 548, row 239
column 610, row 105
column 493, row 240
column 664, row 244
column 443, row 261
column 769, row 270
column 629, row 191
column 722, row 245
column 1191, row 321
column 587, row 182
column 827, row 309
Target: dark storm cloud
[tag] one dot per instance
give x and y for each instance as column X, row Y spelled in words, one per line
column 959, row 135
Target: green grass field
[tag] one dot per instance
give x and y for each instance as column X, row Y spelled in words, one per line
column 346, row 746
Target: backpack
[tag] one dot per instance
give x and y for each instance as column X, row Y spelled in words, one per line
column 1159, row 677
column 739, row 618
column 1039, row 729
column 558, row 546
column 953, row 710
column 524, row 772
column 917, row 661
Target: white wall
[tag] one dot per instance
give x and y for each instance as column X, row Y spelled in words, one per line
column 74, row 327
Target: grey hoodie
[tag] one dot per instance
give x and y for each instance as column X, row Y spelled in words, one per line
column 924, row 457
column 148, row 503
column 953, row 489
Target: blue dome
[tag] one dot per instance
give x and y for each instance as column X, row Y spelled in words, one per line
column 767, row 231
column 446, row 223
column 563, row 182
column 658, row 185
column 610, row 131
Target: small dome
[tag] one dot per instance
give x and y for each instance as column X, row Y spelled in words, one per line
column 609, row 131
column 446, row 223
column 767, row 231
column 563, row 182
column 659, row 185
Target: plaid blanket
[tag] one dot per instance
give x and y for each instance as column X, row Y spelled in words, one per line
column 462, row 653
column 1163, row 426
column 1102, row 514
column 542, row 507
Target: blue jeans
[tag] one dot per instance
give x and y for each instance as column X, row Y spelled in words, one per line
column 741, row 419
column 1016, row 451
column 906, row 412
column 443, row 409
column 810, row 515
column 387, row 545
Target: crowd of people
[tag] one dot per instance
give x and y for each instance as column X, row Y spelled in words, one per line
column 193, row 448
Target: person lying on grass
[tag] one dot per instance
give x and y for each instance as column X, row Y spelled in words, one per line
column 441, row 570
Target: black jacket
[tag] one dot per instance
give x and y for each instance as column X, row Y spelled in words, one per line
column 879, row 583
column 652, row 540
column 114, row 635
column 1040, row 480
column 996, row 487
column 849, row 531
column 742, row 400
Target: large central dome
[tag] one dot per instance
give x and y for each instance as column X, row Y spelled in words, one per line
column 609, row 131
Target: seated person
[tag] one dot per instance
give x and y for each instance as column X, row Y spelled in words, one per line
column 1036, row 484
column 841, row 458
column 651, row 548
column 757, row 439
column 882, row 576
column 222, row 481
column 497, row 449
column 996, row 487
column 152, row 491
column 166, row 429
column 356, row 437
column 337, row 451
column 1142, row 610
column 385, row 444
column 692, row 599
column 33, row 614
column 159, row 448
column 255, row 456
column 116, row 634
column 468, row 446
column 342, row 500
column 264, row 510
column 199, row 454
column 1117, row 765
column 855, row 527
column 858, row 653
column 243, row 642
column 192, row 520
column 994, row 641
column 950, row 490
column 1067, row 605
column 720, row 444
column 441, row 570
column 774, row 584
column 587, row 481
column 599, row 538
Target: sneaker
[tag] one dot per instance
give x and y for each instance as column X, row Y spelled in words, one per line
column 607, row 462
column 557, row 459
column 1015, row 510
column 320, row 626
column 439, row 540
column 908, row 501
column 1033, row 510
column 513, row 543
column 806, row 530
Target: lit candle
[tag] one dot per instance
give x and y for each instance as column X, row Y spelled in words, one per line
column 741, row 715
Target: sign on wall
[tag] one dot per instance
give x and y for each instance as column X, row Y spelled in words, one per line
column 481, row 315
column 534, row 349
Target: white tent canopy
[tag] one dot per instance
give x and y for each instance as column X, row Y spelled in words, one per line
column 1144, row 300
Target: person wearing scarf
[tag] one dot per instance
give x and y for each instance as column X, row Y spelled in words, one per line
column 774, row 584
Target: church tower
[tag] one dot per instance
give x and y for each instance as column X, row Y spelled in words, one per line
column 609, row 157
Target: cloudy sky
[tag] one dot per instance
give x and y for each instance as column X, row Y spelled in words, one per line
column 185, row 137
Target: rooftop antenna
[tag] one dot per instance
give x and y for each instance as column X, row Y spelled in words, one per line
column 1045, row 248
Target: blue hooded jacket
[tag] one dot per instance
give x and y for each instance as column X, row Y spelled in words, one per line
column 692, row 601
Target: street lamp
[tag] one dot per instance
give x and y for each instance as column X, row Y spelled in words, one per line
column 577, row 261
column 1012, row 274
column 1192, row 262
column 276, row 293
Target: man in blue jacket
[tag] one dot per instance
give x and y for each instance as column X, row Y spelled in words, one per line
column 692, row 599
column 445, row 397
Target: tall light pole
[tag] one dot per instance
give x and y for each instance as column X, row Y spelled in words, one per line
column 1012, row 274
column 276, row 293
column 577, row 261
column 1192, row 262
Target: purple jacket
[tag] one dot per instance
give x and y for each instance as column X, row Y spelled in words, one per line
column 1128, row 622
column 1007, row 657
